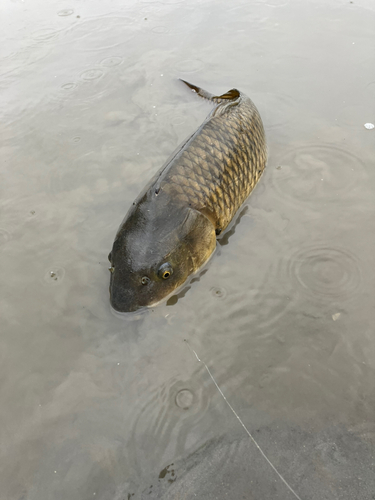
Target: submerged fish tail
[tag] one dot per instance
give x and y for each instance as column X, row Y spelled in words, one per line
column 231, row 95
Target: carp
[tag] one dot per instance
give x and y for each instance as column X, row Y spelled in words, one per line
column 170, row 230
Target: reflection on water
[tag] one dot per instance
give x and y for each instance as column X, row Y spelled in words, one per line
column 100, row 405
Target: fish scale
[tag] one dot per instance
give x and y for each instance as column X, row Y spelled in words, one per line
column 222, row 162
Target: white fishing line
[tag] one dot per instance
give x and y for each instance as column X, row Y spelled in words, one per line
column 243, row 425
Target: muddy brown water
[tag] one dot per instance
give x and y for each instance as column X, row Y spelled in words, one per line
column 95, row 405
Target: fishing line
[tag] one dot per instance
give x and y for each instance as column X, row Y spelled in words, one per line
column 243, row 425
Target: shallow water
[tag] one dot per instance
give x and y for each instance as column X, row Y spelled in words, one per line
column 94, row 405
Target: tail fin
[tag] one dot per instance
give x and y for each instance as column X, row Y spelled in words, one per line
column 231, row 95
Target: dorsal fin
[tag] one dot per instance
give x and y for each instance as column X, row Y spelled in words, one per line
column 231, row 95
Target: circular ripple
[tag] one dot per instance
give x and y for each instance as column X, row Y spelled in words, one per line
column 178, row 119
column 69, row 86
column 109, row 62
column 316, row 173
column 65, row 12
column 189, row 65
column 173, row 118
column 92, row 74
column 219, row 293
column 76, row 139
column 184, row 399
column 158, row 413
column 325, row 271
column 54, row 275
column 161, row 30
column 4, row 236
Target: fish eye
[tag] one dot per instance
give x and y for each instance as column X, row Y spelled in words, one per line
column 145, row 280
column 165, row 271
column 111, row 269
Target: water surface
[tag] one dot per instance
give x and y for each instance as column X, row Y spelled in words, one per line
column 94, row 405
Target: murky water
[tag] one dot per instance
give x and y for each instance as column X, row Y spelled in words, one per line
column 99, row 406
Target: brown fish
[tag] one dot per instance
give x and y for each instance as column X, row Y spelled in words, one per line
column 170, row 231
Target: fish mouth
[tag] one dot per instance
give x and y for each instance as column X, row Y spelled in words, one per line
column 129, row 315
column 124, row 301
column 123, row 304
column 134, row 307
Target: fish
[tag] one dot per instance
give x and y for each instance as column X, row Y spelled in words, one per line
column 171, row 229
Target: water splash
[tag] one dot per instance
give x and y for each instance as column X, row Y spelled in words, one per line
column 54, row 275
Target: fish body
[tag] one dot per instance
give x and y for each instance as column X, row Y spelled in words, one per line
column 170, row 230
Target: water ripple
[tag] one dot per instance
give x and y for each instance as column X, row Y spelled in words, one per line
column 92, row 74
column 260, row 307
column 37, row 48
column 189, row 65
column 184, row 399
column 45, row 34
column 218, row 292
column 54, row 275
column 5, row 235
column 84, row 174
column 65, row 12
column 109, row 62
column 81, row 91
column 173, row 407
column 325, row 271
column 69, row 86
column 317, row 172
column 102, row 33
column 178, row 119
column 160, row 30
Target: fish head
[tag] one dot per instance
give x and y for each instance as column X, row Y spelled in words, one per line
column 153, row 256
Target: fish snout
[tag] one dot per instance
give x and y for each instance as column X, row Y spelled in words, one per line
column 123, row 299
column 123, row 306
